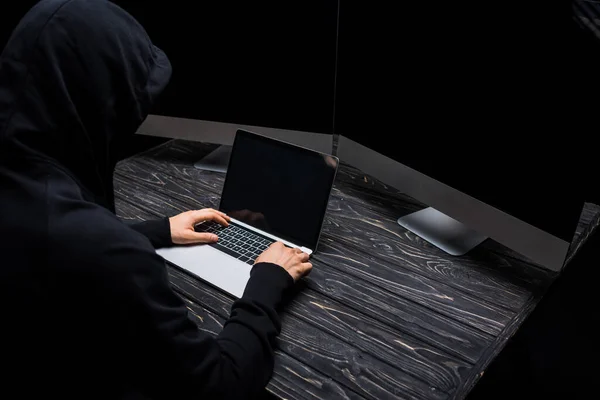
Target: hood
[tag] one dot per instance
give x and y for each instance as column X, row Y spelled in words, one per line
column 77, row 79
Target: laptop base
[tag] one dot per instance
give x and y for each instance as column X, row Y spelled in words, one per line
column 211, row 265
column 216, row 161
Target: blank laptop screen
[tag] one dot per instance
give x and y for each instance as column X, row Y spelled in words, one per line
column 279, row 188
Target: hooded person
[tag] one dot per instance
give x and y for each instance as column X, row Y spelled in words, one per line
column 87, row 310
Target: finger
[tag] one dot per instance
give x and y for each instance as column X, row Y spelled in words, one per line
column 198, row 216
column 303, row 257
column 201, row 215
column 301, row 270
column 216, row 217
column 213, row 210
column 297, row 250
column 306, row 268
column 223, row 215
column 200, row 237
column 277, row 244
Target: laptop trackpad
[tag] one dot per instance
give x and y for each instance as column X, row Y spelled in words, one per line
column 211, row 265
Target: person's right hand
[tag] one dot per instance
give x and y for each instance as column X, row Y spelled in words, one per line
column 294, row 261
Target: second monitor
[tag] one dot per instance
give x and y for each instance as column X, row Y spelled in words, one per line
column 471, row 119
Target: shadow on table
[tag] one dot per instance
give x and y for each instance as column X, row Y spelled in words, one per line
column 265, row 396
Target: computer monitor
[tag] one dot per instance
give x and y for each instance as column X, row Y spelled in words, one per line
column 467, row 119
column 267, row 67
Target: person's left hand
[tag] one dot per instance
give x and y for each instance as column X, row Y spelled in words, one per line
column 182, row 226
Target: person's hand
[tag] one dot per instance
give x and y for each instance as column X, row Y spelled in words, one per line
column 294, row 261
column 182, row 226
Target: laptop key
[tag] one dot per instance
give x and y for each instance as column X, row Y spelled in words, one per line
column 244, row 258
column 224, row 250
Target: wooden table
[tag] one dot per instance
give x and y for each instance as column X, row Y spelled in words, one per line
column 384, row 314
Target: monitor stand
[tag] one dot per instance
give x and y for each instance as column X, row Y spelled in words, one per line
column 217, row 160
column 437, row 228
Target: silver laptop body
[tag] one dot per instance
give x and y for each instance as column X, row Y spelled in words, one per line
column 227, row 263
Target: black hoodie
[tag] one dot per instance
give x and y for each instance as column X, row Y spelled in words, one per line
column 86, row 309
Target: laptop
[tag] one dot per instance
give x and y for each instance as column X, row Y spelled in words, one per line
column 273, row 191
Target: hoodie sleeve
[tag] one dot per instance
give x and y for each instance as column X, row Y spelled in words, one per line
column 150, row 338
column 171, row 356
column 187, row 363
column 157, row 231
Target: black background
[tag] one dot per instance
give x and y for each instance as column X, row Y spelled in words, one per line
column 10, row 16
column 265, row 63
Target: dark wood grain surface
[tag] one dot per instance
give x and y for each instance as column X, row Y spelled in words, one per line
column 384, row 314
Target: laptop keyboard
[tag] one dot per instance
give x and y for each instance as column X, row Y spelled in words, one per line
column 236, row 241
